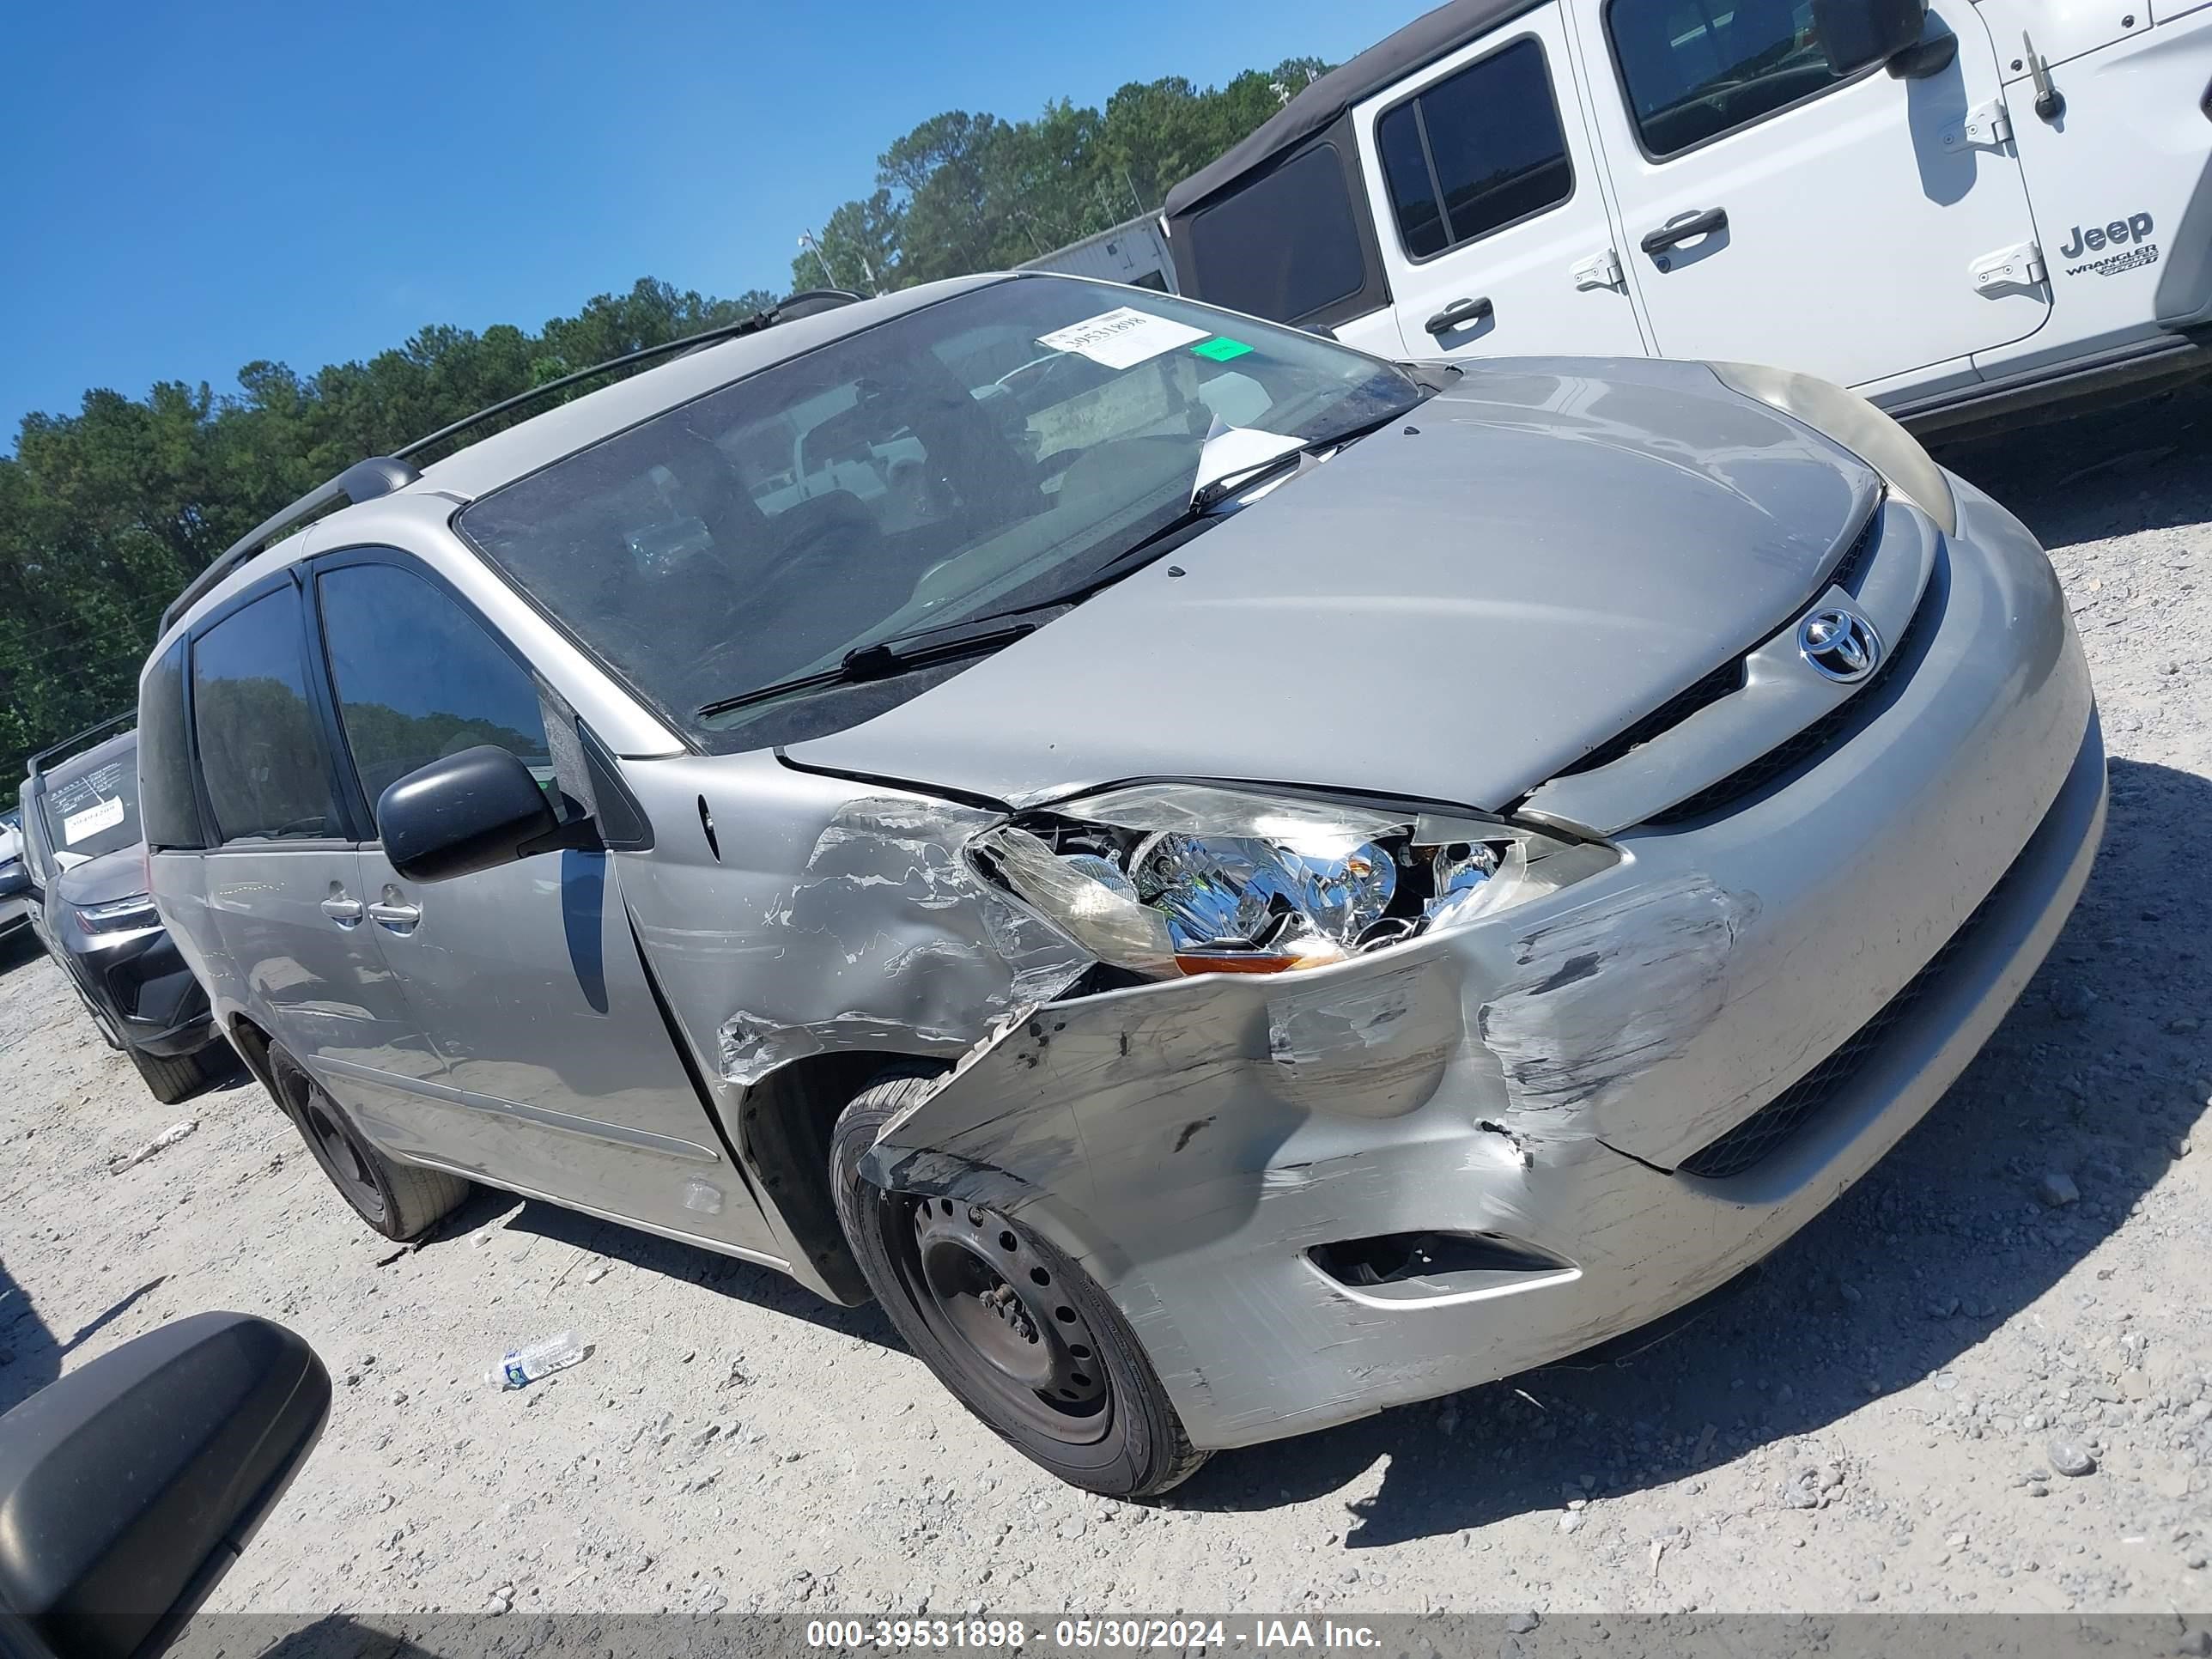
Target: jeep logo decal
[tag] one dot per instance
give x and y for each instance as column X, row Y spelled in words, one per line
column 2117, row 234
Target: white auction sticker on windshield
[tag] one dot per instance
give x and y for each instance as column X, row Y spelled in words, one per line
column 94, row 820
column 1122, row 339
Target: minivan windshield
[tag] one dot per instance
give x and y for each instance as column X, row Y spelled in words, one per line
column 963, row 459
column 90, row 805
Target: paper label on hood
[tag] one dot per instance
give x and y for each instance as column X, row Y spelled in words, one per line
column 105, row 816
column 1122, row 338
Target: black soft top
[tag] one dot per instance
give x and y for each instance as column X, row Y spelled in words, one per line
column 1432, row 36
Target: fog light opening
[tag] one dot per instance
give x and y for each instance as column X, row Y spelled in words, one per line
column 1395, row 1258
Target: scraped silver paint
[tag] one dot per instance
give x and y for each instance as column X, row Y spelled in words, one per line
column 890, row 919
column 1604, row 993
column 1375, row 1047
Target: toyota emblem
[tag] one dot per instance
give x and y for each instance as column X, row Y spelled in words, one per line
column 1840, row 644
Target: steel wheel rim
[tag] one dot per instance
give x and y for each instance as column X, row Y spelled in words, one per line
column 988, row 1296
column 341, row 1158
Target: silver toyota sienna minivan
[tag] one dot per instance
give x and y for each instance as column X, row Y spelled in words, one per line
column 1229, row 883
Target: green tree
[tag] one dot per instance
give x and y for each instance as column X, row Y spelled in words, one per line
column 858, row 245
column 107, row 513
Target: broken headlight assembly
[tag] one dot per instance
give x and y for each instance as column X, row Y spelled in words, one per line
column 1168, row 878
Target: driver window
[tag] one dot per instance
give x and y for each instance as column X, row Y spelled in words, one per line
column 1696, row 68
column 417, row 678
column 261, row 748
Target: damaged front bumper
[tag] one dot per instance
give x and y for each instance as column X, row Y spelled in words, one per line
column 1318, row 1194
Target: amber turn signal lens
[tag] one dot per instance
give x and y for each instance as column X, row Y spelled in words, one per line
column 1234, row 963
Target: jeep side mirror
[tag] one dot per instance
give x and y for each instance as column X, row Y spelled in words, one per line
column 465, row 812
column 128, row 1488
column 1856, row 35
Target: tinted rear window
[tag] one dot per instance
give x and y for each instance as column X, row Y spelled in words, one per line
column 261, row 744
column 1490, row 137
column 1284, row 246
column 170, row 815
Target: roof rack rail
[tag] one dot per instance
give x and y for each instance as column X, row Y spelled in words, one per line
column 364, row 481
column 790, row 308
column 380, row 475
column 76, row 740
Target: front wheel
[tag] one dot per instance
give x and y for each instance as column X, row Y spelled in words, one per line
column 1008, row 1322
column 173, row 1078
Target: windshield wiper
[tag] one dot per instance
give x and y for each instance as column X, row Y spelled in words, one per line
column 1170, row 535
column 1234, row 458
column 886, row 660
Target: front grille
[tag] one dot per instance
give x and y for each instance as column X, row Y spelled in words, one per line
column 1724, row 681
column 1815, row 740
column 1773, row 1123
column 1853, row 562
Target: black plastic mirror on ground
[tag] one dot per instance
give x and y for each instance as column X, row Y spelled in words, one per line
column 466, row 812
column 129, row 1487
column 1856, row 35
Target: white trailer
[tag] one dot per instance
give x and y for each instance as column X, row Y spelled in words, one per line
column 1133, row 253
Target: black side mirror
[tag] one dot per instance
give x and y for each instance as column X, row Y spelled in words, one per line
column 1856, row 35
column 128, row 1488
column 469, row 811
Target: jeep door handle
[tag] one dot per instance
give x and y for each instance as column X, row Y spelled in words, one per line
column 1459, row 313
column 346, row 912
column 1677, row 231
column 397, row 916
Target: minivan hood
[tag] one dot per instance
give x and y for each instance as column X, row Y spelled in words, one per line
column 1453, row 609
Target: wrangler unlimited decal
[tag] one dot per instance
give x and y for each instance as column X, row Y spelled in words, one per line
column 2118, row 235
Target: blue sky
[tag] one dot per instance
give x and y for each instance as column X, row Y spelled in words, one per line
column 192, row 188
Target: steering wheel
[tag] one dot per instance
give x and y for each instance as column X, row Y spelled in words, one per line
column 786, row 577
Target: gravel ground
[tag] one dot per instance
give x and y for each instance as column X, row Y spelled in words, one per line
column 1978, row 1383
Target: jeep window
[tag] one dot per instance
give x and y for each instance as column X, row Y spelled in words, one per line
column 1696, row 68
column 261, row 750
column 1286, row 246
column 951, row 460
column 91, row 805
column 1478, row 151
column 418, row 679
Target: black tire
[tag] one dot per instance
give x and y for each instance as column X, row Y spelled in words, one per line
column 1037, row 1352
column 176, row 1077
column 400, row 1201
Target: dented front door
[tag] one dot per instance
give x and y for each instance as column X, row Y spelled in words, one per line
column 562, row 1078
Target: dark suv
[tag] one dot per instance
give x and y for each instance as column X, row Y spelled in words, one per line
column 86, row 860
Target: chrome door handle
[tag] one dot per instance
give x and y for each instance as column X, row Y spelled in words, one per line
column 385, row 914
column 346, row 912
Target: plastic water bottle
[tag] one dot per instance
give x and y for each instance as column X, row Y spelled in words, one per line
column 524, row 1365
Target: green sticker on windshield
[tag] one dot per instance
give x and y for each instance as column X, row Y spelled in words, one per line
column 1221, row 348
